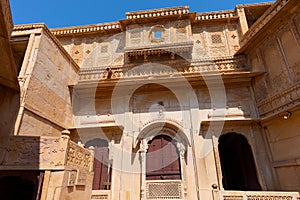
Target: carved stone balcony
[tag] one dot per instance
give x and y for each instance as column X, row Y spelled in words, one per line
column 210, row 65
column 46, row 153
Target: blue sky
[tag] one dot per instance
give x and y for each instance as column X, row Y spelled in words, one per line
column 62, row 13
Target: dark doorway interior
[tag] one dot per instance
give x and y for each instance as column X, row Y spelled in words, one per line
column 238, row 167
column 17, row 185
column 162, row 162
column 102, row 166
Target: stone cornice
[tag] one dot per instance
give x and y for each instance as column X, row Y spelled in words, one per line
column 90, row 29
column 262, row 22
column 25, row 30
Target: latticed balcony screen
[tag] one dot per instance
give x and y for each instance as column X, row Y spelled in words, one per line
column 164, row 190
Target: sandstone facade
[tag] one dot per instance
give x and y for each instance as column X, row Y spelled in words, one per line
column 172, row 104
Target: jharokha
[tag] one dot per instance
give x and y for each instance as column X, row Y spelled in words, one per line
column 164, row 104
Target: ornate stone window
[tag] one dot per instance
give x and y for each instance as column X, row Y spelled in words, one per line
column 157, row 33
column 216, row 39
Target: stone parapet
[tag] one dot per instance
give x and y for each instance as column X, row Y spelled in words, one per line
column 219, row 15
column 46, row 153
column 95, row 28
column 157, row 12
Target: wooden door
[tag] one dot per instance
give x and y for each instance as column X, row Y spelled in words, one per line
column 162, row 161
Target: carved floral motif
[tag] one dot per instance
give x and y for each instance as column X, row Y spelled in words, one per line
column 78, row 156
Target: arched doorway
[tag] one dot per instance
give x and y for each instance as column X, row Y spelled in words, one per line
column 102, row 167
column 162, row 159
column 237, row 163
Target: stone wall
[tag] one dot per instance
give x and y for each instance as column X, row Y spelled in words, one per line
column 47, row 103
column 276, row 56
column 9, row 106
column 215, row 40
column 96, row 51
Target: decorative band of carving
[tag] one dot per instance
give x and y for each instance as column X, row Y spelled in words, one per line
column 230, row 64
column 280, row 101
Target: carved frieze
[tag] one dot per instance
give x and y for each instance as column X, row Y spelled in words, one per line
column 280, row 101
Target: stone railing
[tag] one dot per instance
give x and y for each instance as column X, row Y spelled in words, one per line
column 86, row 29
column 217, row 65
column 46, row 153
column 263, row 195
column 164, row 189
column 157, row 12
column 227, row 14
column 101, row 194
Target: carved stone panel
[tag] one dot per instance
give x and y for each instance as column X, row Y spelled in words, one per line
column 291, row 52
column 36, row 152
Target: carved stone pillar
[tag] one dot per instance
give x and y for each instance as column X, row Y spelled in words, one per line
column 143, row 152
column 181, row 148
column 92, row 150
